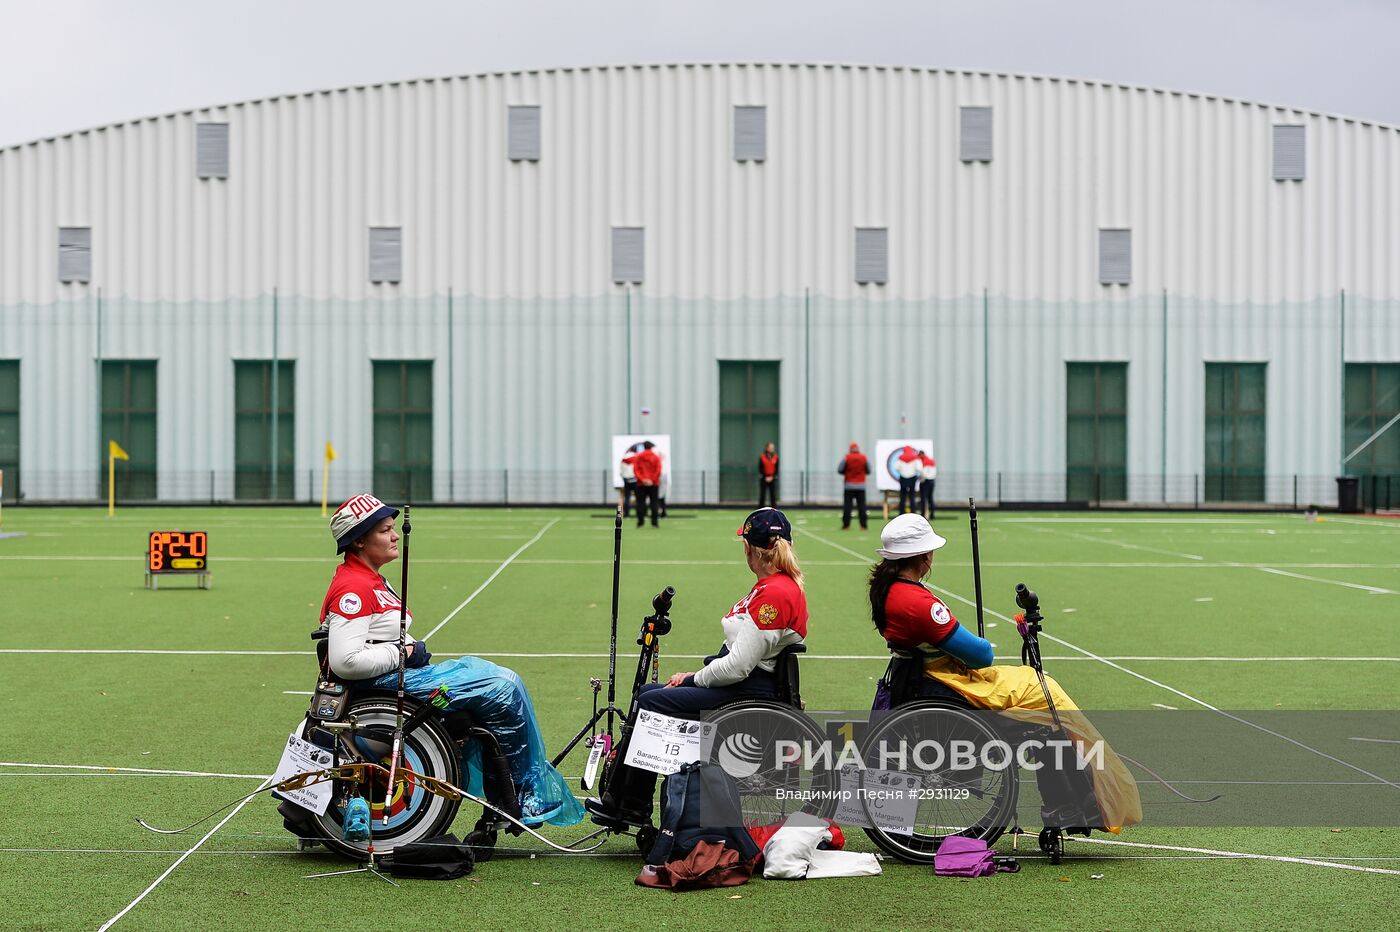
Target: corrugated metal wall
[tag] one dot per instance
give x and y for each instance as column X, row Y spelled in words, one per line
column 1228, row 264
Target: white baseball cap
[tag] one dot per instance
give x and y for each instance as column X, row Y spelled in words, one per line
column 908, row 536
column 356, row 518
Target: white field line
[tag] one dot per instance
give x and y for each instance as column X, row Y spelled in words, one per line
column 1376, row 740
column 1390, row 523
column 1374, row 590
column 1146, row 679
column 1312, row 862
column 1119, row 543
column 863, row 562
column 140, row 770
column 582, row 655
column 166, row 851
column 478, row 590
column 171, row 869
column 1146, row 521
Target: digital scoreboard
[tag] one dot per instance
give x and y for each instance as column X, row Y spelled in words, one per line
column 181, row 553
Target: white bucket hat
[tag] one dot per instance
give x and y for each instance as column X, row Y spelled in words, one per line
column 908, row 536
column 356, row 518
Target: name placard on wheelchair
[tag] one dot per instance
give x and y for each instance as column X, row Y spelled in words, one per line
column 663, row 743
column 885, row 799
column 298, row 757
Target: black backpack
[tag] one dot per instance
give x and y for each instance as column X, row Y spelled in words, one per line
column 702, row 840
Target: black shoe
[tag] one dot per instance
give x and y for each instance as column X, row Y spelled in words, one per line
column 609, row 816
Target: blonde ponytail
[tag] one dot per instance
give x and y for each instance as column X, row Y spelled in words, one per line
column 783, row 558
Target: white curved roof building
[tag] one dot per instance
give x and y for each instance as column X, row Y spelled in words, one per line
column 1077, row 290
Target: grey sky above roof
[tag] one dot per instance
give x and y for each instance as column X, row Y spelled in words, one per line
column 74, row 64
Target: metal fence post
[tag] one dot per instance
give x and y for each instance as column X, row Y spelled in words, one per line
column 998, row 488
column 702, row 486
column 1196, row 490
column 1295, row 491
column 505, row 490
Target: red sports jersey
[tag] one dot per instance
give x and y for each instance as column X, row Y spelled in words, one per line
column 775, row 603
column 361, row 613
column 914, row 617
column 770, row 618
column 768, row 463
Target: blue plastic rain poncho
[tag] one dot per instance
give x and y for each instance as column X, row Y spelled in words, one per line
column 498, row 701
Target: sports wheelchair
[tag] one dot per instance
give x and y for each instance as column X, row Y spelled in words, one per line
column 746, row 732
column 973, row 801
column 355, row 725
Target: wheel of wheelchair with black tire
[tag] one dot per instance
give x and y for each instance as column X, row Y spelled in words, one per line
column 414, row 813
column 749, row 738
column 908, row 781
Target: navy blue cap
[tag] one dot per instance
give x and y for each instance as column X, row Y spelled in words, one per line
column 763, row 527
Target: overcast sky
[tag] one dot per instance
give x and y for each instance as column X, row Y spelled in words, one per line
column 75, row 64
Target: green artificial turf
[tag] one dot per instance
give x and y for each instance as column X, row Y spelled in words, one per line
column 101, row 672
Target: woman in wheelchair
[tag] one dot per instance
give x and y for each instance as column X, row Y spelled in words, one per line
column 957, row 667
column 361, row 615
column 760, row 626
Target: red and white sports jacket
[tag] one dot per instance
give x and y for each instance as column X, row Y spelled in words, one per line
column 361, row 612
column 771, row 617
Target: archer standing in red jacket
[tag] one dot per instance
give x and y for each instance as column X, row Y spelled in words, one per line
column 854, row 467
column 647, row 466
column 768, row 475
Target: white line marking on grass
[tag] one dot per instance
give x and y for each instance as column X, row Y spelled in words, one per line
column 467, row 600
column 1139, row 521
column 1376, row 740
column 1123, row 544
column 585, row 655
column 297, row 692
column 1388, row 523
column 137, row 851
column 1201, row 702
column 1158, row 705
column 171, row 869
column 180, row 653
column 1374, row 590
column 146, row 770
column 1242, row 855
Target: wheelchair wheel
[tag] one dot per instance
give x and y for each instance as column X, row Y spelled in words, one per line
column 747, row 738
column 978, row 802
column 414, row 813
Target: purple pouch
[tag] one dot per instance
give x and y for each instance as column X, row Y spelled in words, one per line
column 882, row 701
column 963, row 857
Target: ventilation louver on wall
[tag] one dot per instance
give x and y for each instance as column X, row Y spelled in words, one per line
column 75, row 254
column 975, row 136
column 750, row 134
column 385, row 254
column 1290, row 151
column 1115, row 257
column 523, row 134
column 628, row 254
column 872, row 255
column 211, row 150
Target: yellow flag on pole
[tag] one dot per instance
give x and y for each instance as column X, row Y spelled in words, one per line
column 114, row 453
column 326, row 475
